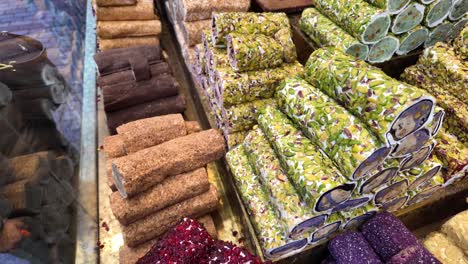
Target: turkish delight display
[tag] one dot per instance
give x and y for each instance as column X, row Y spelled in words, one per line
column 327, row 34
column 388, row 235
column 269, row 227
column 311, row 172
column 338, row 133
column 173, row 157
column 369, row 23
column 352, row 247
column 391, row 109
column 297, row 216
column 383, row 49
column 409, row 18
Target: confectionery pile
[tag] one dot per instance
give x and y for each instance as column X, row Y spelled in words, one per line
column 375, row 30
column 128, row 23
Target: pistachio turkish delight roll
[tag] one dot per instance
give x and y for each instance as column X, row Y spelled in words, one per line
column 391, row 6
column 436, row 12
column 327, row 34
column 459, row 9
column 418, row 157
column 439, row 34
column 355, row 218
column 409, row 18
column 243, row 117
column 455, row 118
column 311, row 172
column 453, row 155
column 369, row 23
column 441, row 61
column 329, row 228
column 383, row 49
column 248, row 52
column 344, row 139
column 284, row 38
column 235, row 88
column 235, row 138
column 282, row 192
column 391, row 109
column 267, row 24
column 216, row 58
column 460, row 44
column 268, row 225
column 412, row 39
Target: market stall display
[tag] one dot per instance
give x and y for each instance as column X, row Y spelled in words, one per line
column 122, row 24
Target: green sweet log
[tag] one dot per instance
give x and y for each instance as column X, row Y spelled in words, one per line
column 412, row 39
column 459, row 9
column 268, row 225
column 343, row 138
column 383, row 49
column 391, row 109
column 391, row 6
column 246, row 23
column 409, row 18
column 365, row 22
column 312, row 173
column 236, row 88
column 327, row 34
column 282, row 192
column 436, row 12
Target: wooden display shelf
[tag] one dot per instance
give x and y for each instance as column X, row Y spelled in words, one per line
column 305, row 46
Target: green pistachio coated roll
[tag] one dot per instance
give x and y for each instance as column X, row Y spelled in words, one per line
column 246, row 23
column 284, row 38
column 453, row 155
column 391, row 6
column 412, row 39
column 236, row 88
column 364, row 21
column 327, row 34
column 339, row 134
column 460, row 44
column 282, row 192
column 436, row 12
column 235, row 138
column 268, row 225
column 409, row 18
column 391, row 109
column 253, row 52
column 311, row 172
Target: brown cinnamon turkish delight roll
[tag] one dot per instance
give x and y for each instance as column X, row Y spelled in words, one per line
column 114, row 147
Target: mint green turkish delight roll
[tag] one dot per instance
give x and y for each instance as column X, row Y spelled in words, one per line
column 268, row 225
column 436, row 12
column 246, row 23
column 311, row 172
column 327, row 34
column 391, row 109
column 439, row 34
column 242, row 117
column 383, row 49
column 391, row 6
column 248, row 52
column 459, row 9
column 282, row 192
column 412, row 39
column 409, row 18
column 344, row 139
column 365, row 22
column 236, row 88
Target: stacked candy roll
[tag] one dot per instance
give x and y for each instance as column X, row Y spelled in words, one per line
column 269, row 227
column 408, row 18
column 394, row 111
column 347, row 142
column 299, row 217
column 312, row 173
column 454, row 156
column 323, row 31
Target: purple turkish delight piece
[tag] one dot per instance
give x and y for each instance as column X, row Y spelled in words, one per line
column 415, row 254
column 352, row 248
column 388, row 235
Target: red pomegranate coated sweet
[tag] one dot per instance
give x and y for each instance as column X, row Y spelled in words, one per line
column 226, row 252
column 188, row 242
